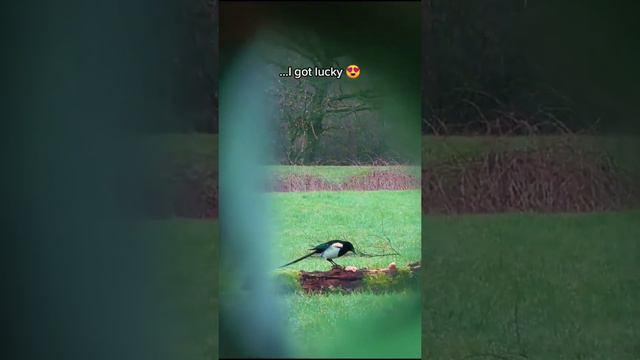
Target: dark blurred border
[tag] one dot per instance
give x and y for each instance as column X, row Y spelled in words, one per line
column 512, row 283
column 87, row 81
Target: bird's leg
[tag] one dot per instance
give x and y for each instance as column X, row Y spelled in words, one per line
column 334, row 264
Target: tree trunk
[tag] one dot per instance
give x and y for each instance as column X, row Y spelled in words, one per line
column 313, row 138
column 341, row 280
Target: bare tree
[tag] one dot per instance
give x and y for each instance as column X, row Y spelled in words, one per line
column 305, row 103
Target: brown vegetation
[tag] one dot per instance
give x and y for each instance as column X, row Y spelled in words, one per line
column 189, row 192
column 196, row 193
column 377, row 180
column 193, row 192
column 551, row 178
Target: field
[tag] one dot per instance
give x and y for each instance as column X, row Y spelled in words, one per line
column 531, row 286
column 306, row 219
column 187, row 252
column 514, row 286
column 355, row 326
column 496, row 286
column 571, row 279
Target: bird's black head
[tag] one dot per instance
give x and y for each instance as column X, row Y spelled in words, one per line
column 347, row 246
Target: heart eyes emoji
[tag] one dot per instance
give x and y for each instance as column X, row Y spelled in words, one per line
column 353, row 71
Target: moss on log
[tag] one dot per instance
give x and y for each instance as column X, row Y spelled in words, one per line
column 350, row 279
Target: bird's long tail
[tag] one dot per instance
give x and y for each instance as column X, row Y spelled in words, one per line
column 295, row 261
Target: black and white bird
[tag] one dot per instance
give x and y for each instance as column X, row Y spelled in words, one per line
column 329, row 251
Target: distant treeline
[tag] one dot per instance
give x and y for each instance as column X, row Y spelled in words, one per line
column 491, row 65
column 486, row 62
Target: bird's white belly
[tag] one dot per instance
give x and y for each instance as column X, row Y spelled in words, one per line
column 331, row 252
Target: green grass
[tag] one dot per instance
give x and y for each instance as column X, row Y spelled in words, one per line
column 187, row 253
column 303, row 220
column 184, row 256
column 574, row 279
column 364, row 325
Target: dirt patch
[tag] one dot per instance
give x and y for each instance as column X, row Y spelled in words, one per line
column 558, row 178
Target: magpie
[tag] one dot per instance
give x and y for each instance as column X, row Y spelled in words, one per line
column 329, row 251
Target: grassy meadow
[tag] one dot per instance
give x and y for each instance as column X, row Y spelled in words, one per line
column 531, row 286
column 496, row 286
column 302, row 220
column 305, row 219
column 187, row 251
column 515, row 286
column 361, row 325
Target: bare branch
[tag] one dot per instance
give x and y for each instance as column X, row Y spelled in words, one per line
column 348, row 109
column 384, row 237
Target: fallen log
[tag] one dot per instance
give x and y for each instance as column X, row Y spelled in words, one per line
column 350, row 279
